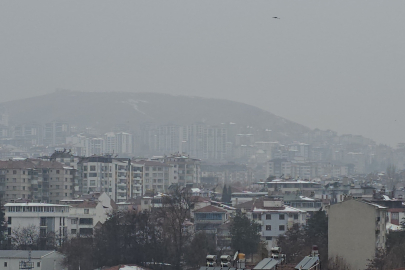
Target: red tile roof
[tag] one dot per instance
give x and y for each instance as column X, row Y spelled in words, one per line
column 210, row 209
column 199, row 199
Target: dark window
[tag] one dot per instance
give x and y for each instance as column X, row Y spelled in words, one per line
column 268, row 216
column 9, row 231
column 86, row 231
column 269, row 238
column 38, row 264
column 73, row 231
column 295, row 216
column 9, row 220
column 268, row 227
column 281, row 228
column 281, row 217
column 43, row 221
column 86, row 221
column 42, row 232
column 5, row 264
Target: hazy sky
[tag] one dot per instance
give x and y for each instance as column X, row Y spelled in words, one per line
column 329, row 64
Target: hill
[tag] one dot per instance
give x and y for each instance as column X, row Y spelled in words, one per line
column 107, row 110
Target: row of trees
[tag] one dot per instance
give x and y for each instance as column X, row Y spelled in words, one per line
column 159, row 238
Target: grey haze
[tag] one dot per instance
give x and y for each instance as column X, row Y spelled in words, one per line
column 324, row 64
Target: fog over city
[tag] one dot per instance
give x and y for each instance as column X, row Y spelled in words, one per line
column 202, row 135
column 324, row 65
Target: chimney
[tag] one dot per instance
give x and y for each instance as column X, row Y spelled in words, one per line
column 315, row 251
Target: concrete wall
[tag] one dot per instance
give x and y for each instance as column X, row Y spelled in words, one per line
column 352, row 232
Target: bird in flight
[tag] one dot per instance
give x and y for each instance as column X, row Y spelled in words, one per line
column 276, row 18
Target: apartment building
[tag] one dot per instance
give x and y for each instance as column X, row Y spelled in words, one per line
column 186, row 170
column 209, row 218
column 55, row 133
column 356, row 230
column 274, row 217
column 47, row 218
column 104, row 174
column 87, row 212
column 136, row 180
column 291, row 186
column 36, row 180
column 155, row 176
column 278, row 167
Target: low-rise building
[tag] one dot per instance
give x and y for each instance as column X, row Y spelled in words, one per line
column 208, row 218
column 274, row 217
column 40, row 259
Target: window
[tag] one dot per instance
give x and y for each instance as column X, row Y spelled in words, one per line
column 73, row 221
column 9, row 220
column 14, row 172
column 43, row 221
column 38, row 264
column 86, row 221
column 92, row 174
column 295, row 216
column 269, row 238
column 92, row 168
column 92, row 182
column 57, row 171
column 86, row 211
column 281, row 217
column 281, row 228
column 73, row 231
column 5, row 264
column 86, row 231
column 268, row 216
column 9, row 231
column 268, row 227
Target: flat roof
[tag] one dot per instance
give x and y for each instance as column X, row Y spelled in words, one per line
column 34, row 204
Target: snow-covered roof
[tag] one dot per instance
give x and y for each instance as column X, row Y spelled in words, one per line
column 285, row 209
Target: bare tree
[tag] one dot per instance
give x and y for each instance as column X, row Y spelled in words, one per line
column 171, row 216
column 337, row 263
column 25, row 237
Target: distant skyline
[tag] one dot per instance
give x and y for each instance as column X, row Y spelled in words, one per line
column 328, row 65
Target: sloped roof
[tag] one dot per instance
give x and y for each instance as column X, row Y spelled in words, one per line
column 199, row 199
column 86, row 204
column 23, row 254
column 210, row 209
column 307, row 263
column 267, row 263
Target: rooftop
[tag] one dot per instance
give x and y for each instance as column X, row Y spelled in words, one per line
column 210, row 209
column 23, row 254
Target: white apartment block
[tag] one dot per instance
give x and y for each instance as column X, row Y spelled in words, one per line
column 74, row 217
column 274, row 217
column 46, row 218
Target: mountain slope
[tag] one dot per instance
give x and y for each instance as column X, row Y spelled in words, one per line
column 106, row 110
